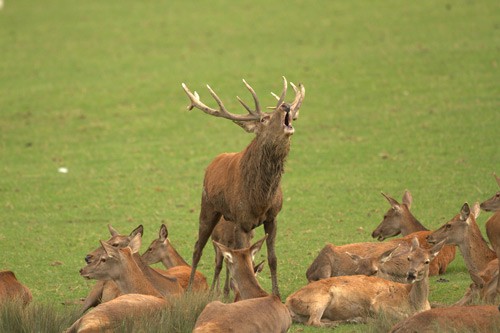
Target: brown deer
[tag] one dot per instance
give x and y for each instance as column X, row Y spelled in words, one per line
column 162, row 250
column 485, row 293
column 11, row 290
column 463, row 231
column 105, row 290
column 257, row 311
column 399, row 220
column 139, row 298
column 244, row 187
column 354, row 298
column 478, row 318
column 493, row 229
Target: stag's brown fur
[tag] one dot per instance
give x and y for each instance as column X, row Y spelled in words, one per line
column 11, row 290
column 399, row 220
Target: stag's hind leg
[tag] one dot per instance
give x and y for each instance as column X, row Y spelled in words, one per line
column 208, row 220
column 270, row 229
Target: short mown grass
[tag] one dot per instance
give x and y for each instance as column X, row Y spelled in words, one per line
column 400, row 95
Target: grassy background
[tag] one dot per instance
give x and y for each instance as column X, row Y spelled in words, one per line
column 400, row 95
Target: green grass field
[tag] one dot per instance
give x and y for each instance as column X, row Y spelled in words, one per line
column 400, row 95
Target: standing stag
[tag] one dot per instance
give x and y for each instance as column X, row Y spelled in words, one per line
column 244, row 187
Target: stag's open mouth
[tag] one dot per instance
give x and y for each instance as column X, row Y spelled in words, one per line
column 288, row 122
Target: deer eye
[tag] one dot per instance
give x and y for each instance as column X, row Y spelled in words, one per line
column 448, row 226
column 408, row 258
column 103, row 259
column 115, row 245
column 427, row 262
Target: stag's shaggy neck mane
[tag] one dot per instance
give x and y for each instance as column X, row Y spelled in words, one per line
column 262, row 165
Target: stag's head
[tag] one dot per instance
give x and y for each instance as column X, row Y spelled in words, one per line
column 273, row 123
column 493, row 203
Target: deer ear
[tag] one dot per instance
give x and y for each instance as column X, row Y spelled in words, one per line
column 259, row 267
column 248, row 126
column 109, row 249
column 476, row 209
column 226, row 252
column 391, row 201
column 465, row 212
column 387, row 255
column 135, row 243
column 256, row 247
column 407, row 199
column 163, row 233
column 138, row 230
column 112, row 230
column 436, row 248
column 354, row 256
column 415, row 244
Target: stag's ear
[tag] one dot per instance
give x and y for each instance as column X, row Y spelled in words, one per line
column 407, row 199
column 248, row 126
column 138, row 230
column 110, row 250
column 226, row 252
column 256, row 247
column 135, row 243
column 112, row 230
column 476, row 209
column 465, row 212
column 163, row 234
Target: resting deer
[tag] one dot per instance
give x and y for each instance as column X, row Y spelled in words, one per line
column 244, row 187
column 104, row 291
column 139, row 298
column 399, row 220
column 11, row 290
column 478, row 318
column 161, row 249
column 493, row 230
column 257, row 311
column 463, row 231
column 354, row 298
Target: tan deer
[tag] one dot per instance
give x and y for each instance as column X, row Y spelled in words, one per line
column 257, row 311
column 245, row 187
column 139, row 298
column 463, row 231
column 105, row 290
column 399, row 220
column 354, row 298
column 493, row 230
column 482, row 293
column 478, row 318
column 162, row 250
column 11, row 290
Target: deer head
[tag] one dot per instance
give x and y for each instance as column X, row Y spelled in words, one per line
column 256, row 121
column 391, row 224
column 493, row 203
column 454, row 231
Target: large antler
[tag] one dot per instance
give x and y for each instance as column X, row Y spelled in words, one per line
column 252, row 115
column 300, row 93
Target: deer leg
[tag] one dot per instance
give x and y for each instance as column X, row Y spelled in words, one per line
column 94, row 297
column 270, row 229
column 218, row 268
column 208, row 220
column 226, row 283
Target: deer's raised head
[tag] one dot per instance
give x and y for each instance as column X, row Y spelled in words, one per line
column 454, row 231
column 391, row 224
column 493, row 203
column 158, row 247
column 117, row 240
column 108, row 265
column 278, row 121
column 420, row 259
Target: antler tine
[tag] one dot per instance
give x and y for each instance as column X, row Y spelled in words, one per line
column 222, row 112
column 283, row 94
column 257, row 110
column 300, row 93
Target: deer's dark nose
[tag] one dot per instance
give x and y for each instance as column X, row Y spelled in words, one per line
column 411, row 276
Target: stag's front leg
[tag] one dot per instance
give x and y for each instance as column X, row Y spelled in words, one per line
column 270, row 229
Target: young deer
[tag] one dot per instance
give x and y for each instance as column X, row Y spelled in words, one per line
column 139, row 297
column 463, row 231
column 399, row 220
column 257, row 311
column 493, row 230
column 355, row 298
column 105, row 290
column 11, row 290
column 478, row 318
column 244, row 187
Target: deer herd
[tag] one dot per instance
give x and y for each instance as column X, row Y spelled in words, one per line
column 345, row 283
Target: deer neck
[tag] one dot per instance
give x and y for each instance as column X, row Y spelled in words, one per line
column 411, row 225
column 173, row 258
column 132, row 279
column 419, row 294
column 248, row 285
column 262, row 165
column 475, row 250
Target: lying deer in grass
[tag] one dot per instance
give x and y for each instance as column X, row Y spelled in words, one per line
column 244, row 187
column 399, row 220
column 161, row 249
column 463, row 231
column 11, row 290
column 354, row 298
column 104, row 291
column 478, row 318
column 493, row 231
column 257, row 311
column 140, row 297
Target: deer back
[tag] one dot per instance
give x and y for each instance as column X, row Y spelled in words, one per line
column 11, row 290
